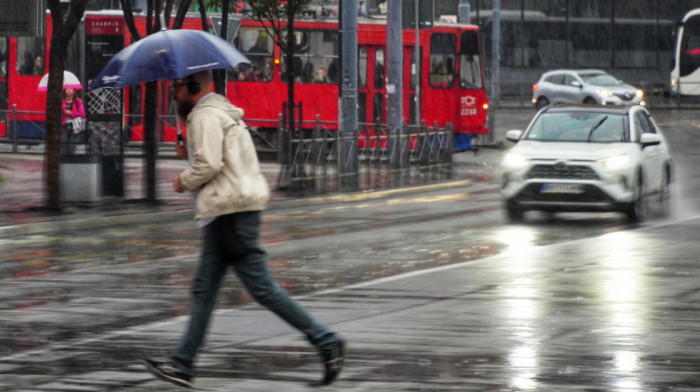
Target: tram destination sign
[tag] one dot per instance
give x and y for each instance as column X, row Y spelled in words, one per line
column 22, row 18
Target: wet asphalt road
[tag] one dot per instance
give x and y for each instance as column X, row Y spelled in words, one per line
column 433, row 291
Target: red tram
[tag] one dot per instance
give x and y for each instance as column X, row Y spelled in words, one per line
column 451, row 78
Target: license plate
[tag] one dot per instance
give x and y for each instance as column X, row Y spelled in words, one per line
column 561, row 188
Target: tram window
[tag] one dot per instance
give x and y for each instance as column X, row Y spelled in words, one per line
column 362, row 107
column 379, row 68
column 469, row 61
column 412, row 109
column 362, row 68
column 442, row 60
column 135, row 105
column 315, row 56
column 378, row 108
column 33, row 52
column 258, row 46
column 3, row 57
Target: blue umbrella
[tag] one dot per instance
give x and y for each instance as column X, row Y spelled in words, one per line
column 167, row 54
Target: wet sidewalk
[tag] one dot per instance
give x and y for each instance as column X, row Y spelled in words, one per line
column 22, row 200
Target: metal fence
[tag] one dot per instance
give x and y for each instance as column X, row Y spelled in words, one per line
column 310, row 159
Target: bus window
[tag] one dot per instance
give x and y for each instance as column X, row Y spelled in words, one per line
column 316, row 56
column 33, row 51
column 690, row 47
column 362, row 68
column 469, row 61
column 379, row 68
column 443, row 48
column 258, row 46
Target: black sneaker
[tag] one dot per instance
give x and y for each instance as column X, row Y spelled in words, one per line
column 165, row 370
column 333, row 358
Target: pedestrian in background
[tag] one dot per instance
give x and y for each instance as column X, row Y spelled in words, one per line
column 229, row 193
column 71, row 108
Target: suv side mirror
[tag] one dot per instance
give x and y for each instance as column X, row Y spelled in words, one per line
column 650, row 139
column 514, row 135
column 576, row 83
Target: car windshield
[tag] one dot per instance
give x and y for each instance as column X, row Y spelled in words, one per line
column 579, row 127
column 600, row 79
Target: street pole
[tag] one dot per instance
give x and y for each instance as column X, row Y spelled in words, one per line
column 347, row 102
column 416, row 61
column 495, row 67
column 394, row 85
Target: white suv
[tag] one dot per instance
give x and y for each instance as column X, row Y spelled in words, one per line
column 590, row 86
column 586, row 158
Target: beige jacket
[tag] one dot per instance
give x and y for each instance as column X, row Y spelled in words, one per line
column 224, row 162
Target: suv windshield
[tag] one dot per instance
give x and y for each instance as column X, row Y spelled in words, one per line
column 600, row 79
column 579, row 127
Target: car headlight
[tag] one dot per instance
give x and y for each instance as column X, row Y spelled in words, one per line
column 640, row 94
column 614, row 163
column 604, row 92
column 514, row 161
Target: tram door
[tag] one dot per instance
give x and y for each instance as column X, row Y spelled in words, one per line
column 4, row 51
column 371, row 94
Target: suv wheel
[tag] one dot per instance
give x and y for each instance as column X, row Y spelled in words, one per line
column 637, row 208
column 514, row 213
column 665, row 192
column 589, row 101
column 541, row 103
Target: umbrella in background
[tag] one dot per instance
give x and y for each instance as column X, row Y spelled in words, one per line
column 69, row 81
column 167, row 55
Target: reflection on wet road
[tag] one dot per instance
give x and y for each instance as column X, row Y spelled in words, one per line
column 62, row 291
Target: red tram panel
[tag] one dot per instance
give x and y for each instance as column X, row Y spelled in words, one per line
column 452, row 87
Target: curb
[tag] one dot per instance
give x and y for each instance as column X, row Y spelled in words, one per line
column 83, row 223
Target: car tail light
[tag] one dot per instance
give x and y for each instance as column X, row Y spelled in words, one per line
column 534, row 87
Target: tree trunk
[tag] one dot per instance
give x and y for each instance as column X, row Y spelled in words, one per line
column 62, row 32
column 150, row 144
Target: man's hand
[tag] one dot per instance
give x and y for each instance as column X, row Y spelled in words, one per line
column 181, row 147
column 177, row 186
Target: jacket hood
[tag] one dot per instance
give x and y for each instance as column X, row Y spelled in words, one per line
column 220, row 102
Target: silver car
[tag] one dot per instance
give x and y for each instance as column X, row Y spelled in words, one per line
column 591, row 86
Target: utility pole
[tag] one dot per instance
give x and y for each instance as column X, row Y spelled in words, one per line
column 394, row 85
column 347, row 102
column 495, row 67
column 417, row 61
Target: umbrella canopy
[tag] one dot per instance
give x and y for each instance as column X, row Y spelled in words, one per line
column 167, row 54
column 69, row 81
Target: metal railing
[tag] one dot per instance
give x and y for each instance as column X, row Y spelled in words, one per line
column 310, row 158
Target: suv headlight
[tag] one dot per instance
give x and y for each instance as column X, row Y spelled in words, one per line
column 514, row 161
column 614, row 163
column 604, row 92
column 640, row 94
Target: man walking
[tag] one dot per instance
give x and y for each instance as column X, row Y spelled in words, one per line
column 229, row 193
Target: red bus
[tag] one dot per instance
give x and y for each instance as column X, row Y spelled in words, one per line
column 451, row 79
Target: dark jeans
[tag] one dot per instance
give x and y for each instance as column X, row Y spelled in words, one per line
column 233, row 240
column 68, row 140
